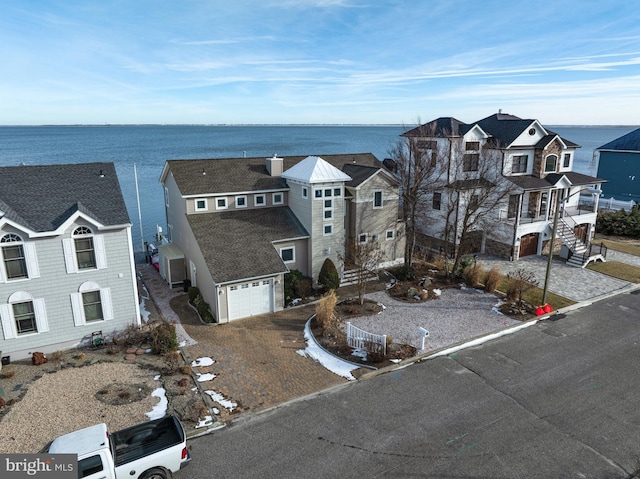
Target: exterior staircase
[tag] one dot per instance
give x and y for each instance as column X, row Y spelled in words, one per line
column 581, row 253
column 351, row 277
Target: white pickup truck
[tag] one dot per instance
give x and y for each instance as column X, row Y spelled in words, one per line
column 151, row 450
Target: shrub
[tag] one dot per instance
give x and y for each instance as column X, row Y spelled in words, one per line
column 491, row 280
column 201, row 306
column 404, row 273
column 519, row 281
column 163, row 338
column 290, row 279
column 465, row 263
column 471, row 275
column 326, row 314
column 620, row 223
column 194, row 292
column 303, row 287
column 329, row 277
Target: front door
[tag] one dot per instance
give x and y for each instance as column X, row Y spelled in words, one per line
column 529, row 244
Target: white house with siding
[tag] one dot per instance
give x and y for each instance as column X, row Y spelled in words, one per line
column 67, row 268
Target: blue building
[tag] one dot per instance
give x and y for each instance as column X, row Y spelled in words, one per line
column 619, row 164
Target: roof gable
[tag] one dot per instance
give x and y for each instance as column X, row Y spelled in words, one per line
column 46, row 198
column 314, row 169
column 628, row 142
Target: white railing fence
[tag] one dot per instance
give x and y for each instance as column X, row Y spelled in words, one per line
column 358, row 338
column 615, row 205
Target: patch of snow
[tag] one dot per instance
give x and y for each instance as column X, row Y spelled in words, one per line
column 207, row 421
column 496, row 307
column 360, row 353
column 330, row 362
column 202, row 362
column 160, row 409
column 205, row 377
column 143, row 310
column 296, row 302
column 156, row 378
column 220, row 399
column 182, row 344
column 463, row 286
column 395, row 361
column 437, row 292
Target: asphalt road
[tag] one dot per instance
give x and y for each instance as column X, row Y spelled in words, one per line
column 559, row 399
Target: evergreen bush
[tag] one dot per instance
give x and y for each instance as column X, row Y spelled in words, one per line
column 329, row 277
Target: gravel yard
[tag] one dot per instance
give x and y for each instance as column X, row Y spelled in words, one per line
column 457, row 315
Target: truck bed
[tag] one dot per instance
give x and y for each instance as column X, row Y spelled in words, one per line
column 145, row 439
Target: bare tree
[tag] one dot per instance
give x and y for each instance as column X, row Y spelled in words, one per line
column 475, row 192
column 365, row 254
column 417, row 163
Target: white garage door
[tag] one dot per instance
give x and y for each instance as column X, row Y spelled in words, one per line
column 249, row 299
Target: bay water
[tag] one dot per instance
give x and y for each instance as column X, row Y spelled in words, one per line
column 149, row 146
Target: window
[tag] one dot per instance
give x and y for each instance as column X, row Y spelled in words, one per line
column 85, row 252
column 327, row 230
column 542, row 211
column 362, row 238
column 305, row 192
column 221, row 203
column 327, row 193
column 91, row 304
column 201, row 204
column 288, row 254
column 277, row 198
column 514, row 200
column 377, row 199
column 328, row 214
column 89, row 466
column 472, row 146
column 390, row 234
column 437, row 201
column 25, row 318
column 337, row 192
column 318, row 193
column 15, row 262
column 470, row 162
column 567, row 160
column 426, row 144
column 22, row 315
column 328, row 209
column 519, row 163
column 474, row 202
column 328, row 203
column 166, row 196
column 259, row 200
column 241, row 201
column 550, row 164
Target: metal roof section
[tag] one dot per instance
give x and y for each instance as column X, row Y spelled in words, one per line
column 314, row 169
column 628, row 142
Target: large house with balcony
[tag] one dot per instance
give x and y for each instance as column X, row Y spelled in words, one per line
column 67, row 273
column 530, row 169
column 236, row 226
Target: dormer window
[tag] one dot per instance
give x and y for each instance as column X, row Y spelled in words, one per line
column 85, row 252
column 472, row 146
column 201, row 204
column 566, row 160
column 519, row 163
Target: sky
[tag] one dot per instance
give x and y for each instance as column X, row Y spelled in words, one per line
column 566, row 62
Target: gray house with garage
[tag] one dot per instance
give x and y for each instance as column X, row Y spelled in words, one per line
column 236, row 226
column 67, row 272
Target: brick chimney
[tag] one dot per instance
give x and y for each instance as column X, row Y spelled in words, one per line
column 275, row 165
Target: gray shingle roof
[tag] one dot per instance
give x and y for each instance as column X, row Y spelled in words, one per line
column 43, row 197
column 239, row 244
column 440, row 127
column 528, row 182
column 226, row 175
column 628, row 142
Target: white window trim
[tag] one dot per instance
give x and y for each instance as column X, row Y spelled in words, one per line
column 7, row 319
column 305, row 192
column 166, row 197
column 381, row 200
column 77, row 305
column 324, row 232
column 71, row 260
column 224, row 206
column 339, row 194
column 389, row 238
column 315, row 194
column 360, row 240
column 30, row 258
column 255, row 200
column 245, row 201
column 273, row 198
column 204, row 208
column 293, row 251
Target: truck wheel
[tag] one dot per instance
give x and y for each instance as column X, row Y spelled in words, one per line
column 155, row 474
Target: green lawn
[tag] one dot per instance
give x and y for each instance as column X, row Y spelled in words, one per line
column 617, row 243
column 533, row 296
column 618, row 270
